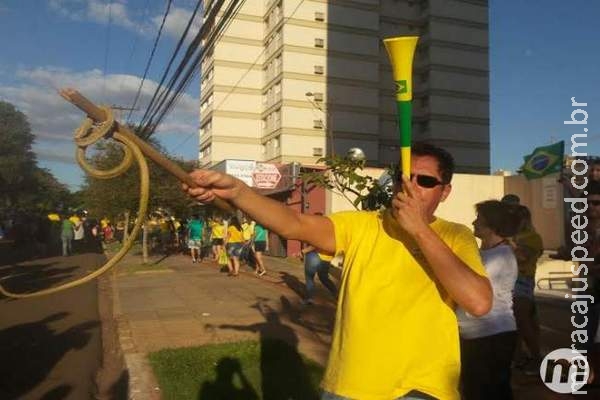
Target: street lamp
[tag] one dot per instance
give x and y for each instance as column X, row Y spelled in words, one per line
column 328, row 120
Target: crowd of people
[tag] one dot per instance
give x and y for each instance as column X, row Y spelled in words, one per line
column 43, row 234
column 229, row 241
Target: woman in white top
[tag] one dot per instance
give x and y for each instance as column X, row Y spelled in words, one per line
column 488, row 343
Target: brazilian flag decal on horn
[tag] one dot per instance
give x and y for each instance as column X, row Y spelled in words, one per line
column 401, row 51
column 544, row 161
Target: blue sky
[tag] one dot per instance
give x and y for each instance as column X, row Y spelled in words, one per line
column 541, row 55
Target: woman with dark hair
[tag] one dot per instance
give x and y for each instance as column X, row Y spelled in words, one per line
column 487, row 343
column 233, row 244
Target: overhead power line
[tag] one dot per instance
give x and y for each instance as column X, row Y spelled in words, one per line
column 236, row 85
column 188, row 66
column 162, row 24
column 193, row 69
column 160, row 88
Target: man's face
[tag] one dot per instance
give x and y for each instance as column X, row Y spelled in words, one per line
column 432, row 197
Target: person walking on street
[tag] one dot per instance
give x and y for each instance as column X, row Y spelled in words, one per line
column 233, row 245
column 195, row 228
column 528, row 247
column 316, row 264
column 66, row 236
column 259, row 238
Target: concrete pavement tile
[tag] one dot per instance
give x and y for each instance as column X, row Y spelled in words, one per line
column 175, row 313
column 145, row 325
column 145, row 315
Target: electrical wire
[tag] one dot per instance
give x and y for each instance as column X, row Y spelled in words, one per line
column 153, row 109
column 162, row 24
column 107, row 48
column 236, row 85
column 193, row 68
column 133, row 47
column 171, row 60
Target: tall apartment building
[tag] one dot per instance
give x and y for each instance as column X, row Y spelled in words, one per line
column 256, row 77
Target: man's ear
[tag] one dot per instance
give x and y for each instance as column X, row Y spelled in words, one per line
column 446, row 191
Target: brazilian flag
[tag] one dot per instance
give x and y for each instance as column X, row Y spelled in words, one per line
column 544, row 161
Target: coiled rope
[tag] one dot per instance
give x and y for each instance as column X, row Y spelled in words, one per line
column 86, row 135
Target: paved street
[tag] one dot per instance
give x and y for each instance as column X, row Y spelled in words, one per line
column 51, row 347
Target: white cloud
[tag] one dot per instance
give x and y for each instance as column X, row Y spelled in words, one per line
column 99, row 11
column 176, row 22
column 53, row 119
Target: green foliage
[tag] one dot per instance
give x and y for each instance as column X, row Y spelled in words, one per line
column 217, row 372
column 345, row 176
column 113, row 197
column 23, row 184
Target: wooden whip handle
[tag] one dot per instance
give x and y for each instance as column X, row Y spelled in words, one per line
column 97, row 114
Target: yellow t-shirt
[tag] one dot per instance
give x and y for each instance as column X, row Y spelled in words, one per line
column 234, row 235
column 395, row 328
column 530, row 246
column 217, row 230
column 325, row 257
column 247, row 230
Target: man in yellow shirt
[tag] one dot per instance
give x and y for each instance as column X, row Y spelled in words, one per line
column 396, row 335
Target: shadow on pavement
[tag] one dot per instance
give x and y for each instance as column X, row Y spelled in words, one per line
column 224, row 388
column 30, row 351
column 36, row 276
column 283, row 372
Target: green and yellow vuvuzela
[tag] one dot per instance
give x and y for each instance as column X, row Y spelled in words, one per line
column 401, row 51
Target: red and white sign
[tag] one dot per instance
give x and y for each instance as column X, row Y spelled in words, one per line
column 266, row 176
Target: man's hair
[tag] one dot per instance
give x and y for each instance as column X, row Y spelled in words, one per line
column 444, row 159
column 500, row 217
column 511, row 198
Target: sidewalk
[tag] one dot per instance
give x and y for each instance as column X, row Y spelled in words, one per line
column 183, row 304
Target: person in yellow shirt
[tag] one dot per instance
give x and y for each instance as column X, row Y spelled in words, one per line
column 233, row 244
column 217, row 229
column 405, row 270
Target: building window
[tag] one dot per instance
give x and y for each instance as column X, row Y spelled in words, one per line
column 318, row 96
column 317, row 151
column 319, row 42
column 319, row 69
column 319, row 16
column 318, row 124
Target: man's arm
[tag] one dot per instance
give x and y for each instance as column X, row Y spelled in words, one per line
column 273, row 215
column 468, row 289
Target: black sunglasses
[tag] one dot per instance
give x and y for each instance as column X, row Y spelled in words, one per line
column 425, row 181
